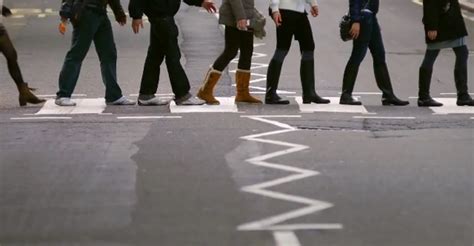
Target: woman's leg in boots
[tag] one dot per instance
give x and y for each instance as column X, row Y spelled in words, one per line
column 460, row 76
column 424, row 81
column 243, row 74
column 206, row 92
column 8, row 50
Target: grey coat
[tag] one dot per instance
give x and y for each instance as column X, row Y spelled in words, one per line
column 233, row 10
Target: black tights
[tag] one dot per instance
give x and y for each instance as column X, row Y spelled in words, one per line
column 462, row 55
column 235, row 40
column 8, row 50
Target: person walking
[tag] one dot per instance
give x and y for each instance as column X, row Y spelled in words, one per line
column 91, row 24
column 163, row 45
column 8, row 50
column 236, row 15
column 366, row 35
column 291, row 21
column 444, row 28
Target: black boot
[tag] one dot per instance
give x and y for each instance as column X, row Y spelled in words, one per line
column 350, row 75
column 424, row 81
column 460, row 78
column 307, row 82
column 273, row 77
column 382, row 77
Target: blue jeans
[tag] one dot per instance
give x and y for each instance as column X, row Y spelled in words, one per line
column 93, row 26
column 370, row 38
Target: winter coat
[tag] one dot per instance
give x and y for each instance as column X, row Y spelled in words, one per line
column 157, row 8
column 356, row 6
column 233, row 10
column 445, row 17
column 73, row 8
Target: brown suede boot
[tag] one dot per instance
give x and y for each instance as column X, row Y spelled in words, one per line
column 26, row 96
column 242, row 79
column 206, row 92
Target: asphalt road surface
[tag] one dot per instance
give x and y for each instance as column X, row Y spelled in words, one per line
column 235, row 175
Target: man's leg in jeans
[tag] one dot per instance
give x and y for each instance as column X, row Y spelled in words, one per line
column 82, row 37
column 154, row 58
column 179, row 80
column 107, row 52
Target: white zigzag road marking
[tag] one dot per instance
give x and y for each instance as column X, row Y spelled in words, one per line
column 273, row 223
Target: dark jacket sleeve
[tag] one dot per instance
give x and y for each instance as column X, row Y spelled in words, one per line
column 117, row 8
column 354, row 10
column 431, row 14
column 194, row 2
column 136, row 8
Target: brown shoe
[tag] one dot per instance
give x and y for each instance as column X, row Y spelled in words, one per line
column 26, row 96
column 206, row 92
column 242, row 78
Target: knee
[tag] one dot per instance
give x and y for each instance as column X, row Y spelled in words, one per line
column 280, row 55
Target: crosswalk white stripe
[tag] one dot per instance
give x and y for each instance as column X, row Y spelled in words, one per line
column 450, row 107
column 334, row 106
column 84, row 106
column 227, row 105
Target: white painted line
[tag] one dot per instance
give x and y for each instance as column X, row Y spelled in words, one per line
column 450, row 107
column 311, row 206
column 452, row 94
column 41, row 118
column 365, row 93
column 41, row 15
column 158, row 95
column 472, row 118
column 227, row 106
column 147, row 117
column 84, row 106
column 286, row 238
column 18, row 16
column 384, row 118
column 333, row 107
column 419, row 2
column 54, row 95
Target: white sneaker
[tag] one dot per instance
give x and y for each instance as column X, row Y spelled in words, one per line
column 189, row 100
column 154, row 101
column 123, row 101
column 64, row 102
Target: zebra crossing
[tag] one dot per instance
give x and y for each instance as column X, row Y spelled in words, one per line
column 97, row 106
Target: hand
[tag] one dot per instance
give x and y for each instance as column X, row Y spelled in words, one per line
column 355, row 30
column 277, row 18
column 315, row 10
column 209, row 6
column 137, row 24
column 122, row 20
column 242, row 25
column 432, row 35
column 63, row 26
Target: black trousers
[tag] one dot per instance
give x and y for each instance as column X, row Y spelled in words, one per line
column 295, row 25
column 236, row 39
column 164, row 45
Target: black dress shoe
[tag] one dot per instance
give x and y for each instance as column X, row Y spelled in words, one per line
column 394, row 101
column 465, row 100
column 349, row 100
column 315, row 99
column 275, row 99
column 428, row 102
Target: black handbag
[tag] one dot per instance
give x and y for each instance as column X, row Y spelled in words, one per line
column 345, row 25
